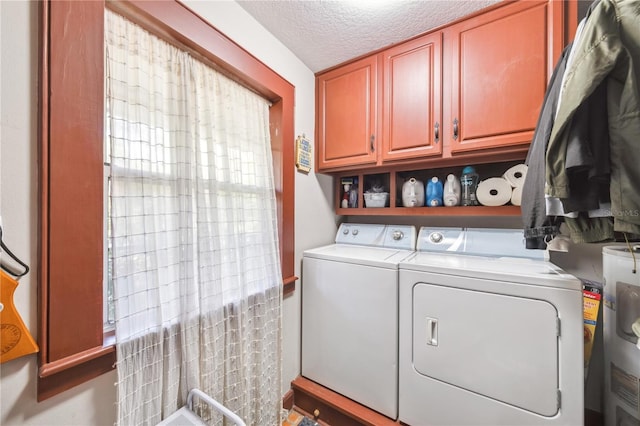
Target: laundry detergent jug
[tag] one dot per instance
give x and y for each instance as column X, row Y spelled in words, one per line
column 451, row 195
column 434, row 192
column 413, row 193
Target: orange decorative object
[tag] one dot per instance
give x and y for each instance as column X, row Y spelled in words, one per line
column 15, row 339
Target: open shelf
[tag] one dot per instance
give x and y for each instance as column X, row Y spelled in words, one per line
column 508, row 210
column 391, row 181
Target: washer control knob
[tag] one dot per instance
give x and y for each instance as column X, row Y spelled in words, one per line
column 398, row 235
column 346, row 231
column 436, row 237
column 354, row 232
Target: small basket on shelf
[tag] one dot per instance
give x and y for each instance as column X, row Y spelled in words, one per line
column 376, row 199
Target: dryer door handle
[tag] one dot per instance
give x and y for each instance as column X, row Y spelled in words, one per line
column 432, row 331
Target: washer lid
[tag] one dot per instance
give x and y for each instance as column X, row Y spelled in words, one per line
column 361, row 255
column 526, row 271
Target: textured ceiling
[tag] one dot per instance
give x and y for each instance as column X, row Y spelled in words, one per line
column 325, row 33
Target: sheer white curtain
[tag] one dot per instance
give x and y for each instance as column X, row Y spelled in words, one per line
column 194, row 245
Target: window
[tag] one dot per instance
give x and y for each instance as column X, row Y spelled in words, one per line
column 71, row 336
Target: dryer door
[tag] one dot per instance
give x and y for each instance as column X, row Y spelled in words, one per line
column 498, row 346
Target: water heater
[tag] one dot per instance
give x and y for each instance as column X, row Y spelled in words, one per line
column 621, row 321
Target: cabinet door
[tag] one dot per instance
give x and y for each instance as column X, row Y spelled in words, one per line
column 501, row 62
column 411, row 108
column 347, row 108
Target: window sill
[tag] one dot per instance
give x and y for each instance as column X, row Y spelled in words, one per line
column 63, row 374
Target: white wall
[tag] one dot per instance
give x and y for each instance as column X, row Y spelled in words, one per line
column 93, row 403
column 90, row 403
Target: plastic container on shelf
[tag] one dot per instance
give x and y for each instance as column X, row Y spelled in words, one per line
column 434, row 192
column 353, row 194
column 468, row 185
column 413, row 193
column 345, row 201
column 376, row 199
column 451, row 195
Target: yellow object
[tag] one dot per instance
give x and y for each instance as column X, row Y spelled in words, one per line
column 293, row 419
column 15, row 339
column 591, row 298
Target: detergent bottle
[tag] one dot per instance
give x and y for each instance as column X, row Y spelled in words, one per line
column 468, row 184
column 434, row 192
column 451, row 196
column 413, row 193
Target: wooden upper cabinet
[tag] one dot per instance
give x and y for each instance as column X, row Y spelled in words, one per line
column 411, row 99
column 470, row 92
column 500, row 64
column 347, row 115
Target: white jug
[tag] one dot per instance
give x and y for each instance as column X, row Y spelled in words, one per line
column 451, row 193
column 413, row 193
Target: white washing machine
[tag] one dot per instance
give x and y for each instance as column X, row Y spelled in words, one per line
column 350, row 313
column 488, row 334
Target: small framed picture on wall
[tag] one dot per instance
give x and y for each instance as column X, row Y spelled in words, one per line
column 303, row 154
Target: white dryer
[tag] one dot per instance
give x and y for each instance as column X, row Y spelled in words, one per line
column 488, row 334
column 350, row 313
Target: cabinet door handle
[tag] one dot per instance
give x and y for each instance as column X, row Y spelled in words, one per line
column 373, row 145
column 455, row 129
column 436, row 132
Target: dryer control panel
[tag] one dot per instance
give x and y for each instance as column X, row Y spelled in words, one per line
column 476, row 241
column 436, row 239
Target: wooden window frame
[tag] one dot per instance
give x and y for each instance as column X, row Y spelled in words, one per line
column 73, row 346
